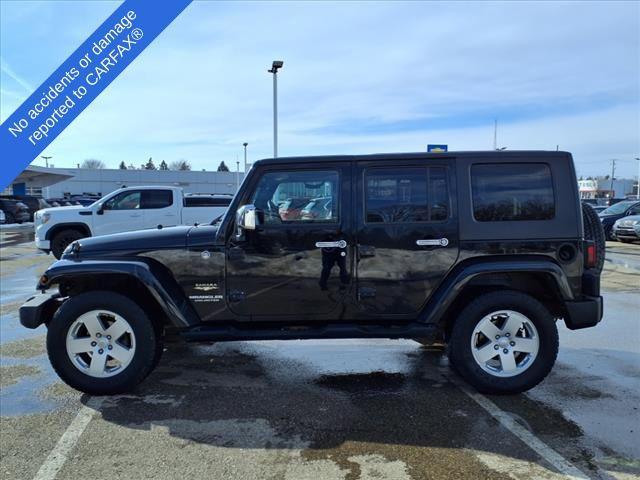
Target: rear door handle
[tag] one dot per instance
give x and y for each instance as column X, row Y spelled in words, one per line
column 338, row 244
column 433, row 242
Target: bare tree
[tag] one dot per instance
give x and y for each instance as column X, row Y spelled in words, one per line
column 180, row 165
column 93, row 164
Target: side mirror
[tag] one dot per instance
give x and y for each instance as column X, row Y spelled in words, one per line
column 100, row 210
column 246, row 218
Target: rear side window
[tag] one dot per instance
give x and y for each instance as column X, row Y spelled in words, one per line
column 207, row 202
column 406, row 195
column 152, row 199
column 512, row 191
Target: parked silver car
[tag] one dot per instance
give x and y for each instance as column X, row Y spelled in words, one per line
column 627, row 229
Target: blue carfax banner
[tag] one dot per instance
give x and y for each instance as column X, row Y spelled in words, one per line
column 80, row 79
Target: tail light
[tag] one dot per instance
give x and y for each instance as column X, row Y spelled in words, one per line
column 590, row 261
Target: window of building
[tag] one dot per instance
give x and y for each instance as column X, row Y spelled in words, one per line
column 512, row 191
column 406, row 195
column 303, row 196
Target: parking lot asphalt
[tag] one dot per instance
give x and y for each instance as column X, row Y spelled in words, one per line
column 331, row 409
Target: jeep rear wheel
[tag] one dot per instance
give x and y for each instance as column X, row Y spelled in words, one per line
column 102, row 343
column 63, row 239
column 504, row 342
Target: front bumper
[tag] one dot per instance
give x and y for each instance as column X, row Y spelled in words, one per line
column 39, row 309
column 583, row 313
column 626, row 232
column 43, row 244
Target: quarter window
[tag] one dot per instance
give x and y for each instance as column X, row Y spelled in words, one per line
column 298, row 197
column 512, row 191
column 406, row 195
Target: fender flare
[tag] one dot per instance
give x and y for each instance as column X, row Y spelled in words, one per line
column 161, row 285
column 459, row 277
column 62, row 226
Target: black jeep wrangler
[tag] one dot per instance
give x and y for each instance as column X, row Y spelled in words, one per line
column 480, row 251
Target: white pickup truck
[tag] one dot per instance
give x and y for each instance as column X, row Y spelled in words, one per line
column 126, row 209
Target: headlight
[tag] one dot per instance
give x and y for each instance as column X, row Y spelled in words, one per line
column 44, row 218
column 634, row 222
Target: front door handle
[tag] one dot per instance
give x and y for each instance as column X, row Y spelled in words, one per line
column 338, row 244
column 433, row 242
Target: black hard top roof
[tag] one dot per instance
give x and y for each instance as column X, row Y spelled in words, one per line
column 511, row 154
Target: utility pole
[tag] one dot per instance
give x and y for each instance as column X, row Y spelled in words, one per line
column 274, row 69
column 495, row 134
column 237, row 174
column 613, row 172
column 46, row 160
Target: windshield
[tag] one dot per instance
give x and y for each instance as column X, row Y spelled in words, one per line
column 616, row 209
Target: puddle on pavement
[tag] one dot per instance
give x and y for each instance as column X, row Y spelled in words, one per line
column 362, row 383
column 12, row 238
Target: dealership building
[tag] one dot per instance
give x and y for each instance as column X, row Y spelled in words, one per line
column 61, row 182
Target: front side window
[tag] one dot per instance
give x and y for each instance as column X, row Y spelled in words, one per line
column 310, row 196
column 406, row 195
column 512, row 192
column 124, row 201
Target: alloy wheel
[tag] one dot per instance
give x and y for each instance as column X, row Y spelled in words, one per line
column 505, row 343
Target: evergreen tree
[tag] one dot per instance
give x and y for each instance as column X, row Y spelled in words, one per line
column 163, row 165
column 150, row 165
column 122, row 166
column 223, row 167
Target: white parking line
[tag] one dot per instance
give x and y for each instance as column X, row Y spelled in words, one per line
column 534, row 443
column 58, row 456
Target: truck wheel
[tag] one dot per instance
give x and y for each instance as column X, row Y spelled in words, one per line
column 504, row 342
column 102, row 343
column 9, row 217
column 593, row 231
column 62, row 240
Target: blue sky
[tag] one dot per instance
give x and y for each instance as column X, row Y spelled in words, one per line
column 358, row 78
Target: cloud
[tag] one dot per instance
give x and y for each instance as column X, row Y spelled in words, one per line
column 365, row 77
column 8, row 71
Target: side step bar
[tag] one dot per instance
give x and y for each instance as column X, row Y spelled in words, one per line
column 221, row 333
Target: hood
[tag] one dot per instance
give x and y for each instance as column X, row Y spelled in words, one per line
column 69, row 209
column 136, row 241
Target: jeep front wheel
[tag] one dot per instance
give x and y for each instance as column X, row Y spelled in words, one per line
column 504, row 342
column 102, row 343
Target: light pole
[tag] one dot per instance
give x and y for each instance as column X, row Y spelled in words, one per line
column 46, row 160
column 274, row 69
column 245, row 157
column 237, row 174
column 638, row 182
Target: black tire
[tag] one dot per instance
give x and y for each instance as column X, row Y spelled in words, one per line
column 146, row 355
column 61, row 240
column 594, row 232
column 626, row 240
column 461, row 356
column 9, row 217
